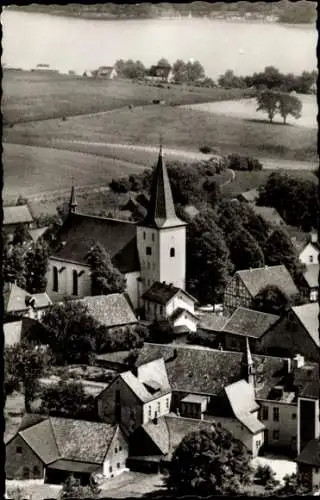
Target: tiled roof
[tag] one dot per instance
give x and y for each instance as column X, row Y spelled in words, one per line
column 62, row 438
column 249, row 322
column 80, row 232
column 37, row 233
column 310, row 389
column 16, row 215
column 269, row 214
column 257, row 279
column 158, row 432
column 73, row 466
column 41, row 300
column 161, row 211
column 311, row 275
column 242, row 400
column 308, row 315
column 180, row 310
column 208, row 371
column 139, row 388
column 14, row 298
column 12, row 333
column 250, row 195
column 310, row 454
column 211, row 321
column 110, row 310
column 163, row 292
column 41, row 439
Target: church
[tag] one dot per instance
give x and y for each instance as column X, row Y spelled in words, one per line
column 150, row 254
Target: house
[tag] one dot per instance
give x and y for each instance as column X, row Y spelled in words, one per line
column 246, row 323
column 296, row 332
column 112, row 311
column 52, row 448
column 107, row 72
column 160, row 73
column 152, row 250
column 250, row 196
column 165, row 301
column 18, row 302
column 308, row 251
column 310, row 288
column 15, row 216
column 269, row 215
column 137, row 396
column 246, row 284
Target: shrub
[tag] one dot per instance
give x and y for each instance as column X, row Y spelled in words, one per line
column 205, row 149
column 238, row 162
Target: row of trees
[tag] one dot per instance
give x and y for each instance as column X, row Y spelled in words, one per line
column 273, row 102
column 271, row 78
column 296, row 200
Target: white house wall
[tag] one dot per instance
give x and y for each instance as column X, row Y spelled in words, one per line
column 287, row 424
column 187, row 321
column 173, row 269
column 180, row 300
column 157, row 408
column 116, row 456
column 149, row 264
column 133, row 287
column 253, row 442
column 309, row 255
column 65, row 280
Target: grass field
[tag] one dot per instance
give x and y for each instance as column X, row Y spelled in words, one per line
column 33, row 96
column 180, row 127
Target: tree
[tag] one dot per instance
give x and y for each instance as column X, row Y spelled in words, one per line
column 230, row 81
column 209, row 463
column 245, row 252
column 163, row 62
column 26, row 364
column 278, row 249
column 36, row 264
column 195, row 71
column 266, row 476
column 68, row 399
column 21, row 235
column 289, row 105
column 72, row 332
column 293, row 486
column 13, row 265
column 161, row 331
column 268, row 103
column 272, row 300
column 72, row 488
column 130, row 69
column 105, row 278
column 179, row 70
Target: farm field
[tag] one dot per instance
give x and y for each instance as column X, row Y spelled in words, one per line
column 246, row 109
column 33, row 96
column 180, row 127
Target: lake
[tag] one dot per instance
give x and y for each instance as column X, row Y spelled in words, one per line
column 78, row 44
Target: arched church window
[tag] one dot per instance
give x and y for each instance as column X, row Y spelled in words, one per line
column 172, row 252
column 74, row 282
column 55, row 283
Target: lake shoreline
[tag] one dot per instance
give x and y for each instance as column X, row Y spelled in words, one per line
column 100, row 16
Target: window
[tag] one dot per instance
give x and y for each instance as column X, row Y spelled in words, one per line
column 161, row 309
column 148, row 251
column 172, row 252
column 167, row 403
column 118, row 465
column 55, row 285
column 149, row 410
column 19, row 449
column 116, row 450
column 265, row 413
column 110, row 469
column 275, row 435
column 152, row 236
column 144, row 235
column 74, row 282
column 294, row 416
column 159, row 406
column 276, row 414
column 310, row 258
column 258, row 444
column 26, row 473
column 120, row 448
column 36, row 471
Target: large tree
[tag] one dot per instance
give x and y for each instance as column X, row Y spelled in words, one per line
column 289, row 105
column 272, row 300
column 105, row 277
column 36, row 264
column 245, row 252
column 72, row 488
column 13, row 263
column 268, row 103
column 72, row 332
column 209, row 463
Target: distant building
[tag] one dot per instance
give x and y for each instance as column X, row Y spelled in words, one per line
column 310, row 288
column 246, row 284
column 160, row 73
column 269, row 215
column 309, row 250
column 250, row 196
column 107, row 72
column 53, row 448
column 19, row 302
column 15, row 216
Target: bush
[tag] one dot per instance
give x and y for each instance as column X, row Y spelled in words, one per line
column 264, row 475
column 238, row 162
column 205, row 149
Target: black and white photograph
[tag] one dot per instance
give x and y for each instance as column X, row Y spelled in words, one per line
column 160, row 252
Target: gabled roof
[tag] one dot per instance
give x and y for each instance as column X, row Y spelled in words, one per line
column 208, row 371
column 162, row 293
column 41, row 300
column 110, row 310
column 258, row 278
column 68, row 439
column 37, row 232
column 268, row 214
column 161, row 211
column 19, row 214
column 12, row 333
column 80, row 232
column 250, row 196
column 211, row 321
column 310, row 454
column 311, row 275
column 73, row 466
column 242, row 400
column 308, row 315
column 179, row 311
column 249, row 323
column 14, row 298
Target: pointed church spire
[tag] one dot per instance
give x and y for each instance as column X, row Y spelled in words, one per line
column 248, row 364
column 73, row 201
column 161, row 211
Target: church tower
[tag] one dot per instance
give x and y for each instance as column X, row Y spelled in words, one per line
column 73, row 202
column 248, row 366
column 161, row 237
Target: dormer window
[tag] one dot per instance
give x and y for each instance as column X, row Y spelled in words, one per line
column 148, row 250
column 172, row 252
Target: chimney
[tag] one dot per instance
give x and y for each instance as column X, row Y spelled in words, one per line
column 298, row 361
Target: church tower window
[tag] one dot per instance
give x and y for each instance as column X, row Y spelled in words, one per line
column 172, row 252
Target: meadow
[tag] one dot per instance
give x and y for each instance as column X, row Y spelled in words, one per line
column 29, row 96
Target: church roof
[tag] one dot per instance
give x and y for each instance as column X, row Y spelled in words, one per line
column 80, row 232
column 161, row 211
